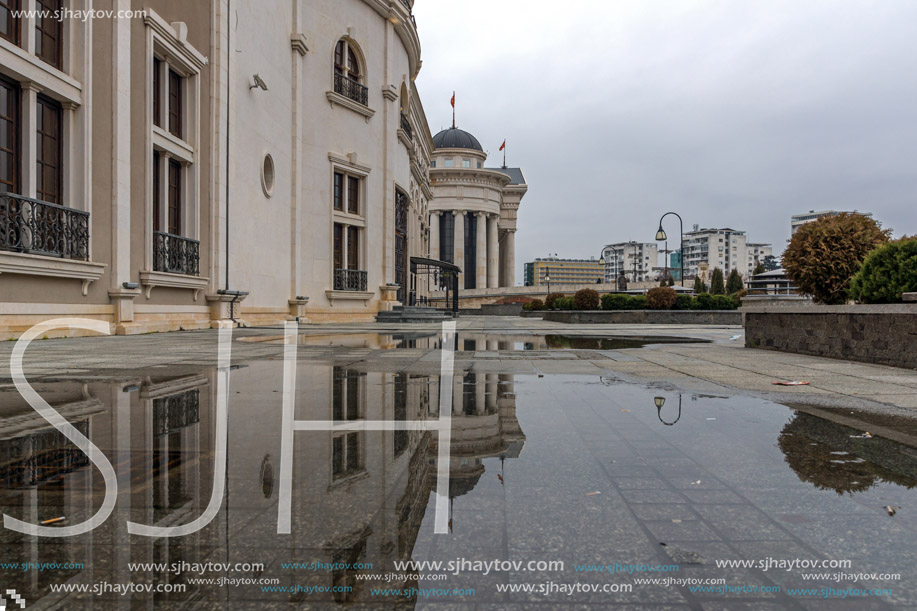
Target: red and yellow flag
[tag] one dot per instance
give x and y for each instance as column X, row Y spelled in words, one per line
column 453, row 99
column 503, row 146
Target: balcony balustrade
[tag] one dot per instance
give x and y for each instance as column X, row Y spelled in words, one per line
column 351, row 89
column 175, row 254
column 350, row 280
column 41, row 228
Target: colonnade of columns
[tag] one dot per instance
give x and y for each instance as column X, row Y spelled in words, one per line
column 495, row 260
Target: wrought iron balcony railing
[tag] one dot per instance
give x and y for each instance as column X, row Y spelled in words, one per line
column 175, row 254
column 406, row 126
column 350, row 88
column 349, row 280
column 32, row 226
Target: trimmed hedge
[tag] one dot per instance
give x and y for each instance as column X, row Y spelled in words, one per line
column 887, row 272
column 623, row 301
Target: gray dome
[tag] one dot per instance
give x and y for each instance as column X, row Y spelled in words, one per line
column 455, row 138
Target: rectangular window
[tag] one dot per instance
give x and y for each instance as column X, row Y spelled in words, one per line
column 48, row 31
column 157, row 191
column 338, row 246
column 353, row 195
column 353, row 247
column 346, row 394
column 466, row 163
column 9, row 137
column 338, row 191
column 433, row 164
column 48, row 158
column 9, row 25
column 157, row 92
column 448, row 163
column 175, row 197
column 175, row 102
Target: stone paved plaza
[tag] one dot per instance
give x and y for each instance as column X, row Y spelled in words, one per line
column 592, row 445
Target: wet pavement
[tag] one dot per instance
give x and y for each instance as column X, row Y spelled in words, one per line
column 551, row 459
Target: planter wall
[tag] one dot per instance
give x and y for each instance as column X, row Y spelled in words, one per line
column 880, row 334
column 645, row 317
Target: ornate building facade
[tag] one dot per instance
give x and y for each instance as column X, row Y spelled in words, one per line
column 193, row 162
column 473, row 212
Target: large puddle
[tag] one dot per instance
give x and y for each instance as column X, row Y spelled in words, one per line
column 471, row 342
column 555, row 474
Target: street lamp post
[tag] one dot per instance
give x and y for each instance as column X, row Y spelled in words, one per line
column 547, row 278
column 660, row 236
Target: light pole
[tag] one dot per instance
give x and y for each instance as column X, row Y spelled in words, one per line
column 547, row 278
column 660, row 236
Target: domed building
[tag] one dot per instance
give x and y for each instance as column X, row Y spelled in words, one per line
column 473, row 211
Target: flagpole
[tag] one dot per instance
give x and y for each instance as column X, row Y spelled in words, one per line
column 453, row 110
column 504, row 154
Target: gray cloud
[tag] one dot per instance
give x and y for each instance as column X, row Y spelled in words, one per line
column 733, row 113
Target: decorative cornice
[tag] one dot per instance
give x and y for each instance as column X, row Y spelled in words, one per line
column 37, row 265
column 298, row 43
column 175, row 35
column 340, row 100
column 349, row 162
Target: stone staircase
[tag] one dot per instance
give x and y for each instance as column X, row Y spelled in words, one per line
column 413, row 314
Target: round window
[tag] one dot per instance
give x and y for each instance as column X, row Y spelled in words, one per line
column 267, row 174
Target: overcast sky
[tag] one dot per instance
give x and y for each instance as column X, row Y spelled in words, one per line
column 733, row 113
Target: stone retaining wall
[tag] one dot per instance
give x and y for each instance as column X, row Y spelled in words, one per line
column 646, row 317
column 881, row 334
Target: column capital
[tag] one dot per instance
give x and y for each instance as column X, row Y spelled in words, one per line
column 480, row 214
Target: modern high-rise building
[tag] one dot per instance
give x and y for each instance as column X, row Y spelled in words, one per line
column 798, row 220
column 707, row 249
column 756, row 252
column 564, row 271
column 634, row 260
column 727, row 249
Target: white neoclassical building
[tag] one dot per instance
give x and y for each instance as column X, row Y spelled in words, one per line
column 473, row 211
column 191, row 162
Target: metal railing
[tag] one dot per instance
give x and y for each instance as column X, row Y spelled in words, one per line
column 406, row 126
column 350, row 280
column 176, row 255
column 41, row 228
column 350, row 88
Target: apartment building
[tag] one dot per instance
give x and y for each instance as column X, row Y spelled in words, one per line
column 634, row 260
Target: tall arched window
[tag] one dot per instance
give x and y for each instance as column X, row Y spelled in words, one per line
column 348, row 72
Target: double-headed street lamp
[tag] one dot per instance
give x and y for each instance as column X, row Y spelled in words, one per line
column 660, row 236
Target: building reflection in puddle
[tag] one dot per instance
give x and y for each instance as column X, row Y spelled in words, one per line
column 359, row 497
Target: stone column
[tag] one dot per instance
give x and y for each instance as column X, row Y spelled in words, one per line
column 481, row 252
column 493, row 249
column 458, row 246
column 480, row 394
column 434, row 236
column 509, row 258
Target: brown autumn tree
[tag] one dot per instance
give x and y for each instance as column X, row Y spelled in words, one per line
column 823, row 255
